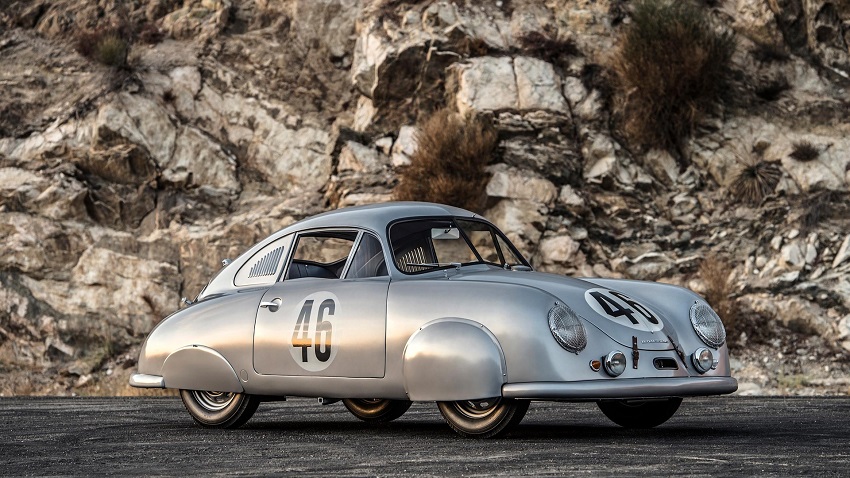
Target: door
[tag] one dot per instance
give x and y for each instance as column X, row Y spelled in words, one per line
column 314, row 323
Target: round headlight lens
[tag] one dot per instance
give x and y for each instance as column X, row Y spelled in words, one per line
column 615, row 363
column 702, row 359
column 707, row 325
column 567, row 328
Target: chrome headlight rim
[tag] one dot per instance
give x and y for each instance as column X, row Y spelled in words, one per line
column 566, row 328
column 609, row 365
column 697, row 315
column 698, row 363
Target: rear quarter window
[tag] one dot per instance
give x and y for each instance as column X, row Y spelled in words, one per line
column 265, row 265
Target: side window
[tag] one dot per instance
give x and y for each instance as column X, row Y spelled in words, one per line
column 368, row 261
column 265, row 265
column 321, row 254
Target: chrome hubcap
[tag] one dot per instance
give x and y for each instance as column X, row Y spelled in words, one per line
column 478, row 408
column 214, row 401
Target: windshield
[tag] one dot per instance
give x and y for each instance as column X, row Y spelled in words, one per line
column 427, row 244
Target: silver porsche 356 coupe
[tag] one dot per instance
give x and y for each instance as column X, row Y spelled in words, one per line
column 382, row 305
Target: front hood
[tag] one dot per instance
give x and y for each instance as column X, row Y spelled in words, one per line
column 621, row 317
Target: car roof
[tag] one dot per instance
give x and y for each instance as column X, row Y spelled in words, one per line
column 375, row 216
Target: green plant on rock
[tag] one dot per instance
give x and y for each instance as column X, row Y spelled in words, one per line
column 112, row 51
column 449, row 165
column 671, row 68
column 108, row 46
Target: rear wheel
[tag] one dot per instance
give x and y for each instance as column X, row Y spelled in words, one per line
column 484, row 418
column 219, row 409
column 376, row 410
column 640, row 413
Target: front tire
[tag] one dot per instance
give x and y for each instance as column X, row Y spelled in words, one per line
column 219, row 409
column 640, row 413
column 485, row 418
column 376, row 410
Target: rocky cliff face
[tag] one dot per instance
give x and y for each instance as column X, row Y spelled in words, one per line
column 121, row 190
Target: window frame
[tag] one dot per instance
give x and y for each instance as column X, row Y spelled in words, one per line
column 355, row 245
column 360, row 236
column 453, row 219
column 276, row 278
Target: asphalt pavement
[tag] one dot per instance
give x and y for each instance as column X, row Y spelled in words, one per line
column 728, row 436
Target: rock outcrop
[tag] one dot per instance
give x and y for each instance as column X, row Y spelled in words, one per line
column 121, row 190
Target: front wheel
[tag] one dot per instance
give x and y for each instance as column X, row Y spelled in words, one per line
column 219, row 409
column 484, row 418
column 640, row 413
column 376, row 410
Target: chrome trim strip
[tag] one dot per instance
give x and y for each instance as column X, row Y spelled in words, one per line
column 142, row 380
column 621, row 388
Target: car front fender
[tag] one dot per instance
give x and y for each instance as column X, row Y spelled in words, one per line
column 453, row 359
column 199, row 368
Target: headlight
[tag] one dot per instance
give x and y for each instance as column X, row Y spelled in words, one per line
column 567, row 328
column 708, row 325
column 615, row 363
column 702, row 360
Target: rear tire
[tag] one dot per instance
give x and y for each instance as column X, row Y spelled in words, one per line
column 485, row 418
column 640, row 413
column 376, row 410
column 219, row 409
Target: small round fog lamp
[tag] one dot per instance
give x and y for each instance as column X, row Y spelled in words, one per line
column 702, row 359
column 615, row 363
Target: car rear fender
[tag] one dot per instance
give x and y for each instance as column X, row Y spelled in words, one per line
column 196, row 367
column 453, row 359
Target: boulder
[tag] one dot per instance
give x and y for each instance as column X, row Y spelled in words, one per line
column 486, row 84
column 404, row 146
column 512, row 183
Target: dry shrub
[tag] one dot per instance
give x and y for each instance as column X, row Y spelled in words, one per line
column 671, row 68
column 112, row 51
column 805, row 151
column 449, row 164
column 714, row 272
column 756, row 179
column 109, row 45
column 819, row 207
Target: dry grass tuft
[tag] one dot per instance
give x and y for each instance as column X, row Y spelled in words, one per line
column 714, row 272
column 449, row 163
column 820, row 207
column 805, row 151
column 756, row 179
column 672, row 68
column 109, row 44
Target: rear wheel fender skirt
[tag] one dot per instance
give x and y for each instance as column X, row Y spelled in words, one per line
column 196, row 367
column 453, row 359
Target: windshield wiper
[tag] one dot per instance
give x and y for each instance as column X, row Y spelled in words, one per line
column 456, row 265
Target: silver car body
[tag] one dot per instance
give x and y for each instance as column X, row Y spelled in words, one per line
column 455, row 333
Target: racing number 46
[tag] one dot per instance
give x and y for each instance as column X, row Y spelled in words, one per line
column 615, row 309
column 321, row 342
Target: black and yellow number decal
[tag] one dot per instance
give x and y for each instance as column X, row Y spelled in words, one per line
column 321, row 341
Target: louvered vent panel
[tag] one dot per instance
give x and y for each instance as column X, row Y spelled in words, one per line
column 267, row 265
